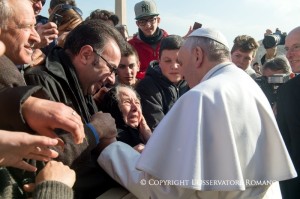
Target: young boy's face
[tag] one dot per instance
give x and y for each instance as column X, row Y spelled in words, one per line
column 169, row 65
column 127, row 70
column 242, row 59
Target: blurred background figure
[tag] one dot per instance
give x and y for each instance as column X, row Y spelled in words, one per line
column 66, row 17
column 275, row 72
column 37, row 8
column 54, row 3
column 105, row 15
column 271, row 46
column 123, row 30
column 278, row 65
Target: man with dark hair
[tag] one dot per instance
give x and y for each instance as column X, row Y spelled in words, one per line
column 72, row 75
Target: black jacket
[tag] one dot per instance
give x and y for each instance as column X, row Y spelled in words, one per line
column 158, row 94
column 59, row 78
column 288, row 118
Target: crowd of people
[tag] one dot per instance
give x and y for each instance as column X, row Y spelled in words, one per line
column 86, row 112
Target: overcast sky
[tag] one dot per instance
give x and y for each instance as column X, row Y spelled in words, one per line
column 231, row 17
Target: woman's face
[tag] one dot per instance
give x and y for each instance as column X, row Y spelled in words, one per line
column 130, row 107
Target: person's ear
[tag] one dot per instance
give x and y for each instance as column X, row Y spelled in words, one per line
column 199, row 55
column 137, row 23
column 138, row 65
column 86, row 54
column 49, row 11
column 158, row 19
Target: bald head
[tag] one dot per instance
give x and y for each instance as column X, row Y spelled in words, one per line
column 292, row 45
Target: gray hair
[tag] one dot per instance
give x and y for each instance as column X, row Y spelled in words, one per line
column 119, row 88
column 214, row 50
column 6, row 12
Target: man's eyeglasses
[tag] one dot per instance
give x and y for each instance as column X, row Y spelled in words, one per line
column 143, row 22
column 113, row 69
column 294, row 48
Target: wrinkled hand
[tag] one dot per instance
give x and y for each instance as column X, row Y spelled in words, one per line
column 47, row 32
column 53, row 171
column 43, row 116
column 104, row 124
column 15, row 146
column 38, row 58
column 145, row 131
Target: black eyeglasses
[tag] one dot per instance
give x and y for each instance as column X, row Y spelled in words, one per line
column 143, row 22
column 112, row 69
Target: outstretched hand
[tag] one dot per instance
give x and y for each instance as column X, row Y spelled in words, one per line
column 17, row 146
column 43, row 116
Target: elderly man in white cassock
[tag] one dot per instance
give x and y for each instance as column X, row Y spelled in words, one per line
column 220, row 139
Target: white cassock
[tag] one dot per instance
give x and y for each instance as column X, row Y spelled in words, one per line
column 219, row 140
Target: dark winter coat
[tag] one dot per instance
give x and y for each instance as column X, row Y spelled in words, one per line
column 59, row 78
column 158, row 94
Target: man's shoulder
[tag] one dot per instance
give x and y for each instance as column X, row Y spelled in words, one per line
column 165, row 33
column 134, row 40
column 5, row 62
column 147, row 82
column 289, row 86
